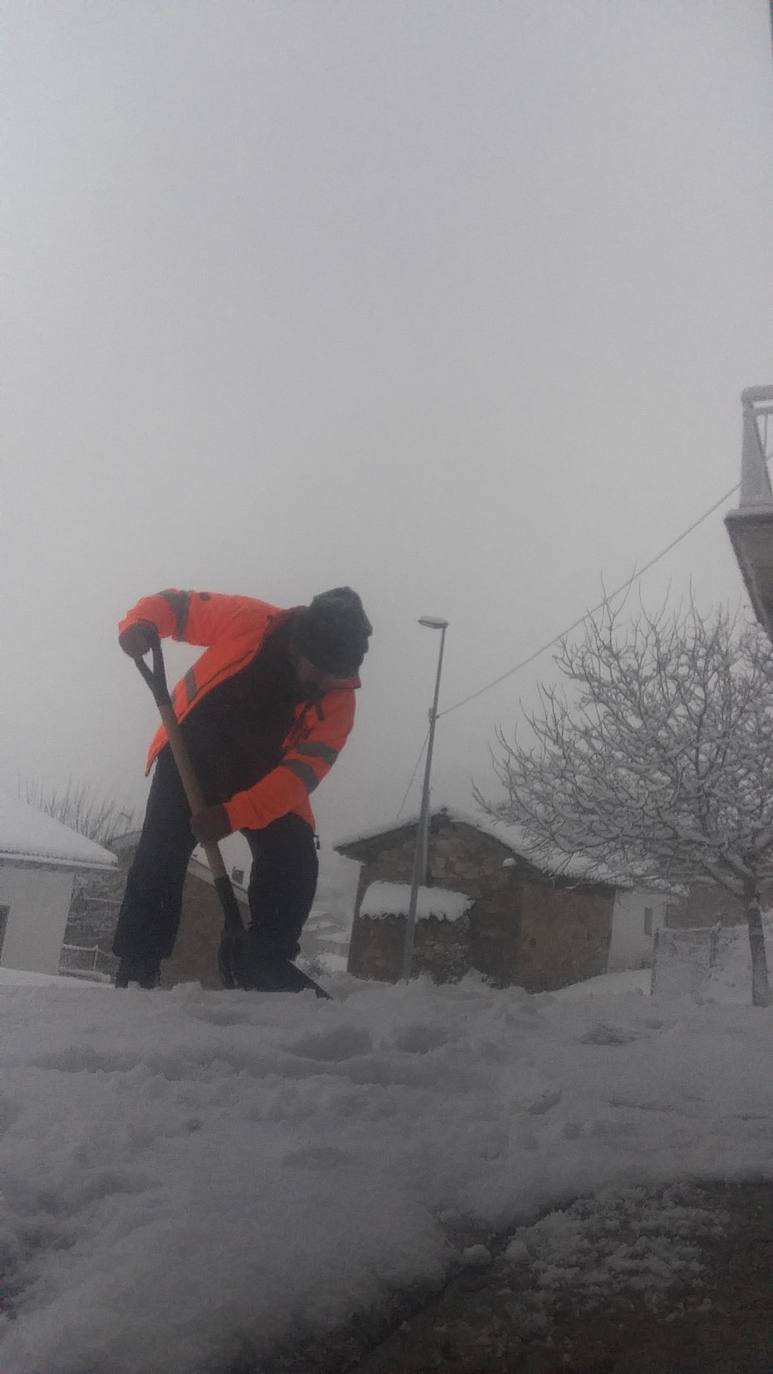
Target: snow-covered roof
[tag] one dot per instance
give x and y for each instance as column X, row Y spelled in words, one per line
column 514, row 838
column 392, row 899
column 29, row 836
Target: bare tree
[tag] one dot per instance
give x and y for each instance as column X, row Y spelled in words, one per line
column 655, row 757
column 98, row 817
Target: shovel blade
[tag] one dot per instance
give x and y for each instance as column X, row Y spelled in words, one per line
column 251, row 962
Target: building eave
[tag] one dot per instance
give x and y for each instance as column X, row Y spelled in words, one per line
column 29, row 860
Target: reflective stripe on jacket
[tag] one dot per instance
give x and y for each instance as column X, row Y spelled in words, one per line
column 233, row 629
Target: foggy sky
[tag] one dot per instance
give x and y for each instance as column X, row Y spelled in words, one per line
column 451, row 301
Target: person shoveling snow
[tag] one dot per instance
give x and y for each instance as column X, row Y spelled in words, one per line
column 263, row 715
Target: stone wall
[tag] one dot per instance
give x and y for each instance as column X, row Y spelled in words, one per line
column 565, row 934
column 441, row 948
column 495, row 931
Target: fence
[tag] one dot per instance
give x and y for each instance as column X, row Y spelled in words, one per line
column 683, row 959
column 90, row 961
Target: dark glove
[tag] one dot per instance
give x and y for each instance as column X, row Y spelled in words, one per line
column 211, row 824
column 138, row 639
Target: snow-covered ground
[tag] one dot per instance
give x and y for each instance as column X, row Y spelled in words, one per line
column 189, row 1175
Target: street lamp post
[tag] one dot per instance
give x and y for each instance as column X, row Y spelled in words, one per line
column 421, row 851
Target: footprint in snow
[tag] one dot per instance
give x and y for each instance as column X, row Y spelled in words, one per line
column 420, row 1037
column 316, row 1157
column 605, row 1034
column 335, row 1045
column 218, row 1016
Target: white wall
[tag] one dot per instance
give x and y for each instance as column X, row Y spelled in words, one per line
column 39, row 899
column 631, row 946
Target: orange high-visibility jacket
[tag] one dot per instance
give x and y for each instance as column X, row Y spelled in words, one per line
column 233, row 628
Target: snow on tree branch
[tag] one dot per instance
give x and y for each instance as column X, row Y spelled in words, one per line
column 655, row 756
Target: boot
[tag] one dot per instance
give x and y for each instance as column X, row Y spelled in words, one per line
column 145, row 971
column 257, row 963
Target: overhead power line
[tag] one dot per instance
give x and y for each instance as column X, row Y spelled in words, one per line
column 413, row 775
column 524, row 662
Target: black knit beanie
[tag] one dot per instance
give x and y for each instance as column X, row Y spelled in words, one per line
column 332, row 632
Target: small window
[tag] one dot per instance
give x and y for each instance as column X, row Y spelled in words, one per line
column 5, row 912
column 648, row 920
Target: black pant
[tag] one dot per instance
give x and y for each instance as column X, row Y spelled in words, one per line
column 282, row 882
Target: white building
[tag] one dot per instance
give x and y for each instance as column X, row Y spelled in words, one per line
column 636, row 916
column 39, row 858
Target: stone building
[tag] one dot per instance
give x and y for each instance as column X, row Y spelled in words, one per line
column 522, row 925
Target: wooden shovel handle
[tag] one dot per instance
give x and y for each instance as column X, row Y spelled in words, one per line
column 155, row 677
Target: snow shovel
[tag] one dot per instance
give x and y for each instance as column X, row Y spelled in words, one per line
column 233, row 926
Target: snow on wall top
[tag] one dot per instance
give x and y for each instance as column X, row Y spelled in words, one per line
column 577, row 866
column 29, row 836
column 392, row 899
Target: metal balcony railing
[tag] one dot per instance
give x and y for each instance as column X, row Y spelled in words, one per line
column 751, row 526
